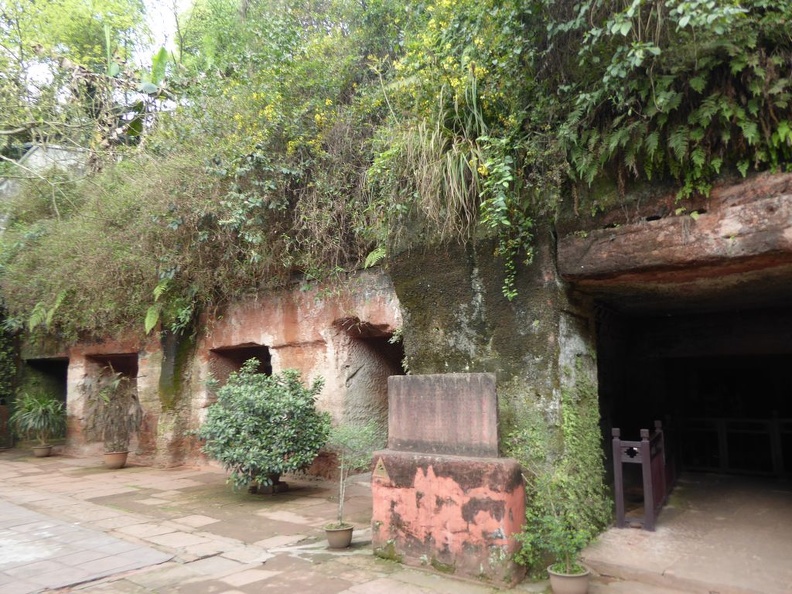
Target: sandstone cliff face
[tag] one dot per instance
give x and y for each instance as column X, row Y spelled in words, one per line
column 735, row 250
column 618, row 298
column 338, row 332
column 457, row 320
column 608, row 301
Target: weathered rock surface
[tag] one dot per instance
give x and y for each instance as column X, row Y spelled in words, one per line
column 738, row 248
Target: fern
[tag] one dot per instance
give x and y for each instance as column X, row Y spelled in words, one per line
column 375, row 257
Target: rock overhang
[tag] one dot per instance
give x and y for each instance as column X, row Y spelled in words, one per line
column 736, row 253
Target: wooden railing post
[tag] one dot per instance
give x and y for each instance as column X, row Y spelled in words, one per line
column 646, row 468
column 618, row 477
column 776, row 445
column 662, row 464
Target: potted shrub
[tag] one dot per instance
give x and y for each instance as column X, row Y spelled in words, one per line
column 113, row 415
column 566, row 509
column 41, row 416
column 353, row 445
column 558, row 527
column 567, row 503
column 263, row 426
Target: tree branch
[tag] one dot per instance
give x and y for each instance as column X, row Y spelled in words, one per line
column 41, row 177
column 18, row 130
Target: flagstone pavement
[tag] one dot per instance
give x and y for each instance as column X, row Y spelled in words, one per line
column 69, row 525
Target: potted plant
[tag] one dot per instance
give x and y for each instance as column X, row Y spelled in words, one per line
column 353, row 444
column 567, row 503
column 41, row 416
column 565, row 511
column 558, row 528
column 262, row 426
column 113, row 415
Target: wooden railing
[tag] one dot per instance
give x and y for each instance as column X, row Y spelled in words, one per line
column 733, row 445
column 650, row 454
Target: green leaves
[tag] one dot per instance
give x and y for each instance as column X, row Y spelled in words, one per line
column 690, row 94
column 567, row 502
column 341, row 128
column 112, row 410
column 375, row 257
column 63, row 70
column 353, row 445
column 41, row 316
column 38, row 415
column 152, row 318
column 263, row 426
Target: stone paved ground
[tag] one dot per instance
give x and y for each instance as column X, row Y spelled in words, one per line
column 185, row 530
column 69, row 525
column 717, row 535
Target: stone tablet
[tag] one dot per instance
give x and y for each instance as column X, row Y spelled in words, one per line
column 454, row 414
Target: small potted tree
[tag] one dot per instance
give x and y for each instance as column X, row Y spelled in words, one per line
column 113, row 415
column 263, row 426
column 353, row 444
column 565, row 511
column 41, row 416
column 566, row 497
column 558, row 528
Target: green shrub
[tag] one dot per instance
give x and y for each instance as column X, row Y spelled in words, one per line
column 112, row 411
column 558, row 525
column 39, row 415
column 567, row 500
column 262, row 426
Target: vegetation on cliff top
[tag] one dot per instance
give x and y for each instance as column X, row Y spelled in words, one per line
column 285, row 138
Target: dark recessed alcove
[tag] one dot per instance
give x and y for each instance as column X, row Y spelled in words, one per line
column 226, row 360
column 719, row 381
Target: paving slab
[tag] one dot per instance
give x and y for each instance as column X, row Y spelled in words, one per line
column 723, row 534
column 387, row 585
column 161, row 577
column 61, row 554
column 219, row 541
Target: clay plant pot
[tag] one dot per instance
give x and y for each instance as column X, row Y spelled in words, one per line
column 115, row 460
column 563, row 583
column 339, row 538
column 42, row 451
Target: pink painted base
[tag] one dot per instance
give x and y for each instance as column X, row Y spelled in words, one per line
column 456, row 514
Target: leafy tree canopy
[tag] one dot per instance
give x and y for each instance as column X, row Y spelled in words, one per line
column 294, row 137
column 65, row 65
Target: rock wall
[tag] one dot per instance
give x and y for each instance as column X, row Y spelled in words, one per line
column 456, row 319
column 732, row 250
column 338, row 332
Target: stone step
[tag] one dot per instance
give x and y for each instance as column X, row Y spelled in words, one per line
column 614, row 578
column 601, row 585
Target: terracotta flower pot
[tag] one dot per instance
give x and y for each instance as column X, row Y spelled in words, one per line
column 339, row 538
column 42, row 451
column 115, row 460
column 564, row 583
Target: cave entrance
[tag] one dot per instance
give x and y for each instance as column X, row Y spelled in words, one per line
column 125, row 364
column 224, row 361
column 47, row 375
column 372, row 355
column 693, row 319
column 719, row 382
